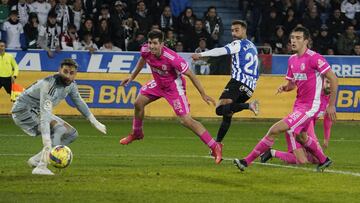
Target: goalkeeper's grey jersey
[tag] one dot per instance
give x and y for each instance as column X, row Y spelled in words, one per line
column 43, row 95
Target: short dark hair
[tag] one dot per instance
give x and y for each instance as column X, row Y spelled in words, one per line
column 304, row 30
column 69, row 62
column 239, row 22
column 155, row 33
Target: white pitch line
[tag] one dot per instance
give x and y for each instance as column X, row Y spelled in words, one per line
column 208, row 157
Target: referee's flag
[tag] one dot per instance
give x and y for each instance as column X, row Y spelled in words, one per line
column 16, row 90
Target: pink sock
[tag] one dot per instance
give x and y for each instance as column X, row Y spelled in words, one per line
column 327, row 127
column 260, row 148
column 208, row 140
column 137, row 126
column 312, row 147
column 311, row 132
column 312, row 159
column 287, row 157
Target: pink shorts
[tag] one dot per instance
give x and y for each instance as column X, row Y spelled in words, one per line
column 176, row 97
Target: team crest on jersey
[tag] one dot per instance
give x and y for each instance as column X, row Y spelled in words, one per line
column 302, row 66
column 164, row 67
column 320, row 63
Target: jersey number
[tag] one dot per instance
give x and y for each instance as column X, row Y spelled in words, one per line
column 252, row 64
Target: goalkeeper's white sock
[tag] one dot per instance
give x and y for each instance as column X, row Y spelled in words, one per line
column 34, row 160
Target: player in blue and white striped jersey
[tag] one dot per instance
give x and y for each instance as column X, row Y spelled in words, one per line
column 244, row 75
column 32, row 112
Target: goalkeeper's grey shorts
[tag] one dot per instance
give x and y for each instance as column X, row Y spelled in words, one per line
column 29, row 121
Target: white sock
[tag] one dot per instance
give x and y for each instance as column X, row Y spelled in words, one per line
column 272, row 151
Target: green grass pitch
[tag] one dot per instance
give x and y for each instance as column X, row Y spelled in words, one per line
column 172, row 165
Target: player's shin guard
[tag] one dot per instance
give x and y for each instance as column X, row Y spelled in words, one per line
column 69, row 137
column 224, row 127
column 287, row 157
column 137, row 126
column 260, row 148
column 207, row 139
column 58, row 132
column 312, row 146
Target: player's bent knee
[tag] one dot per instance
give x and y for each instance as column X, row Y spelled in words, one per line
column 219, row 110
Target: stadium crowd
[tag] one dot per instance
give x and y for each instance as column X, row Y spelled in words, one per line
column 113, row 25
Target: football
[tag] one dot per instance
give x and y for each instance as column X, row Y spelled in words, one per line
column 60, row 156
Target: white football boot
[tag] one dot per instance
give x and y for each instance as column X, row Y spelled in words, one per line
column 42, row 170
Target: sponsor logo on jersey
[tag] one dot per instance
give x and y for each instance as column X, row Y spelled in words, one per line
column 300, row 76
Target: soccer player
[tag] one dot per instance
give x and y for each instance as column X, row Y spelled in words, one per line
column 306, row 70
column 32, row 112
column 296, row 154
column 244, row 75
column 167, row 68
column 9, row 69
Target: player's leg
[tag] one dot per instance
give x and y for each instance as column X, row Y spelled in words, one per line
column 327, row 130
column 264, row 144
column 313, row 147
column 204, row 135
column 148, row 94
column 226, row 121
column 62, row 133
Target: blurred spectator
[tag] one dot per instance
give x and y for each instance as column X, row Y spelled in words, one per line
column 155, row 6
column 166, row 20
column 108, row 46
column 88, row 44
column 179, row 47
column 312, row 21
column 31, row 31
column 102, row 32
column 170, row 39
column 350, row 8
column 42, row 9
column 48, row 36
column 119, row 14
column 201, row 66
column 137, row 42
column 347, row 41
column 155, row 27
column 336, row 24
column 52, row 4
column 91, row 7
column 131, row 27
column 330, row 51
column 23, row 9
column 142, row 16
column 279, row 40
column 79, row 14
column 323, row 41
column 268, row 25
column 69, row 39
column 64, row 15
column 104, row 13
column 213, row 24
column 87, row 27
column 186, row 22
column 356, row 50
column 4, row 11
column 290, row 21
column 13, row 32
column 178, row 6
column 192, row 38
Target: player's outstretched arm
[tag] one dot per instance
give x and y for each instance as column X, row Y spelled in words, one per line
column 140, row 64
column 331, row 109
column 199, row 87
column 99, row 126
column 213, row 52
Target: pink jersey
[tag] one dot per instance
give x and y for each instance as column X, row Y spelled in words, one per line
column 167, row 69
column 306, row 71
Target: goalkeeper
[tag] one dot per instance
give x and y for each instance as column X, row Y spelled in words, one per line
column 32, row 112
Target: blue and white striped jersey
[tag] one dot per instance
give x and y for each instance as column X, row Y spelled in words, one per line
column 244, row 62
